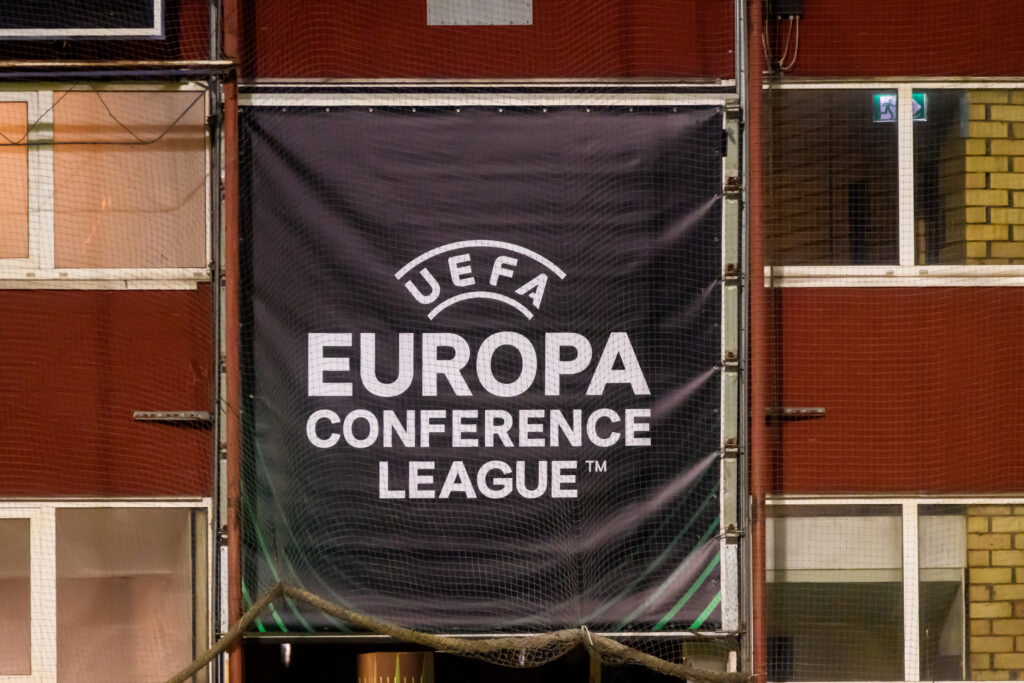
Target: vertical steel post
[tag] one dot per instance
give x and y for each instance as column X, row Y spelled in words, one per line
column 759, row 344
column 232, row 333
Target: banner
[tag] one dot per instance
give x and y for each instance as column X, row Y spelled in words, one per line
column 482, row 355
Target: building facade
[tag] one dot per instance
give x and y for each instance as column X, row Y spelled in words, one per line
column 862, row 515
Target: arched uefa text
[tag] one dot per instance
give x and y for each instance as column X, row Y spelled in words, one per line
column 479, row 269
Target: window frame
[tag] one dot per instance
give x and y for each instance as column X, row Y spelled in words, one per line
column 42, row 515
column 906, row 273
column 156, row 30
column 911, row 574
column 38, row 270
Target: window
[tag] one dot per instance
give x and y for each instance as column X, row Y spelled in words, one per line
column 895, row 184
column 894, row 589
column 15, row 595
column 111, row 591
column 835, row 593
column 105, row 187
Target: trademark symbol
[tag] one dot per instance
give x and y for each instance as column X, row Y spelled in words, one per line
column 597, row 465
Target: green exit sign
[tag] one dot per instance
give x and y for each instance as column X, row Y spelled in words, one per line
column 885, row 105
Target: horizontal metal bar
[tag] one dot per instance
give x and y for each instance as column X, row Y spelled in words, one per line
column 882, row 499
column 476, row 99
column 57, row 65
column 90, row 502
column 172, row 416
column 932, row 83
column 794, row 413
column 251, row 84
column 376, row 637
column 895, row 276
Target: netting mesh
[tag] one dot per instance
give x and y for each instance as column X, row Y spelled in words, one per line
column 491, row 379
column 890, row 246
column 445, row 432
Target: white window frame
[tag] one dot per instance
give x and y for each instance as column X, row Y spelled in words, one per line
column 38, row 270
column 41, row 516
column 906, row 273
column 911, row 570
column 154, row 31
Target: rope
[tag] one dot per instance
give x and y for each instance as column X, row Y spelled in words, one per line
column 541, row 648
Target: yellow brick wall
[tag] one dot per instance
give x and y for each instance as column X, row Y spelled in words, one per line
column 989, row 221
column 995, row 575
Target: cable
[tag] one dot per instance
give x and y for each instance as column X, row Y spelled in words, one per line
column 796, row 48
column 137, row 140
column 785, row 49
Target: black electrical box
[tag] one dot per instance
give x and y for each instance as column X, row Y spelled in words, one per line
column 785, row 9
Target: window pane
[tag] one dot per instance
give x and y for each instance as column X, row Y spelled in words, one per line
column 13, row 180
column 16, row 615
column 835, row 594
column 969, row 177
column 831, row 179
column 129, row 179
column 942, row 551
column 124, row 594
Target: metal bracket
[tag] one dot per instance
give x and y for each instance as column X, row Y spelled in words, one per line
column 179, row 418
column 794, row 413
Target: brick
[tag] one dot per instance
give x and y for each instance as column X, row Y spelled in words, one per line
column 991, row 610
column 991, row 644
column 1007, row 250
column 1017, row 164
column 988, row 198
column 1018, row 201
column 1018, row 539
column 1018, row 509
column 990, row 675
column 988, row 129
column 1008, row 627
column 1017, row 129
column 1003, row 112
column 990, row 164
column 987, row 232
column 989, row 510
column 978, row 558
column 1008, row 523
column 981, row 627
column 988, row 96
column 977, row 525
column 977, row 146
column 978, row 112
column 993, row 575
column 979, row 594
column 988, row 542
column 977, row 214
column 981, row 660
column 1013, row 660
column 978, row 250
column 1008, row 558
column 1018, row 610
column 1019, row 647
column 1008, row 147
column 1017, row 97
column 976, row 181
column 1010, row 591
column 1004, row 215
column 1011, row 181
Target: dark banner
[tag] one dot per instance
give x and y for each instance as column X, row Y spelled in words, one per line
column 481, row 354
